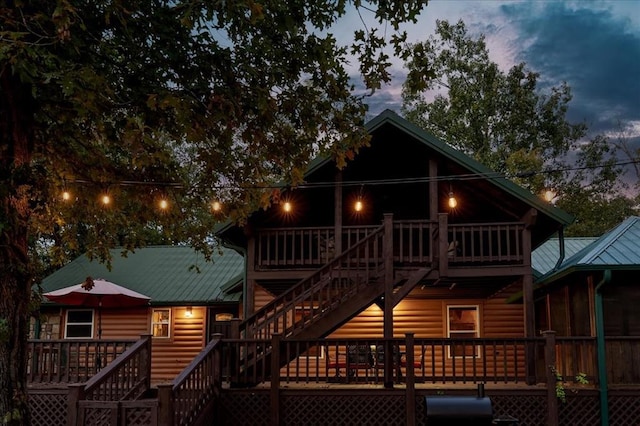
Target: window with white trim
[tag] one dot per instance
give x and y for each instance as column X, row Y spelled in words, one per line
column 79, row 324
column 463, row 323
column 161, row 323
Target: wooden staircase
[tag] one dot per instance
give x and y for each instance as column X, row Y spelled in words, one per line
column 324, row 301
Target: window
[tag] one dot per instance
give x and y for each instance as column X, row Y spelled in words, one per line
column 160, row 323
column 462, row 323
column 79, row 324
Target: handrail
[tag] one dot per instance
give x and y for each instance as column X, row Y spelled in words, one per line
column 299, row 292
column 127, row 377
column 194, row 388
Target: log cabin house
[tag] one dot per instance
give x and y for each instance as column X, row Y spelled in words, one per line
column 190, row 299
column 406, row 274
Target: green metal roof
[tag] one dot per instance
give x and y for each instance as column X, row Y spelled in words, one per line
column 619, row 248
column 167, row 274
column 545, row 257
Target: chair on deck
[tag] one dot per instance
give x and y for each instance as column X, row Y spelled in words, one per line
column 359, row 357
column 399, row 361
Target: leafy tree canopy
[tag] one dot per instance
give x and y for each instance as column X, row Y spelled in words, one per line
column 508, row 122
column 185, row 100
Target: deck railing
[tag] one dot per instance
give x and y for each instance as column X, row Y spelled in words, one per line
column 127, row 378
column 184, row 400
column 493, row 243
column 70, row 361
column 303, row 247
column 414, row 242
column 441, row 360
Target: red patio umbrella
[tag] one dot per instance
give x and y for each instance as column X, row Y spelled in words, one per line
column 99, row 294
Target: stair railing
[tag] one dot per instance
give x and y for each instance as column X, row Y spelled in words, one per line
column 320, row 293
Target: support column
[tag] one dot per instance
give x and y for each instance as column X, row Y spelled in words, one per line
column 433, row 190
column 388, row 298
column 337, row 219
column 528, row 304
column 550, row 368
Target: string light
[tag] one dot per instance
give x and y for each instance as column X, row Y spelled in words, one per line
column 286, row 207
column 164, row 204
column 453, row 203
column 66, row 195
column 549, row 195
column 358, row 206
column 216, row 206
column 106, row 199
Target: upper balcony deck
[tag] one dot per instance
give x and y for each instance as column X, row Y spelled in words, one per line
column 416, row 243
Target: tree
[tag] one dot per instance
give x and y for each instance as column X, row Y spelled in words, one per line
column 506, row 120
column 185, row 101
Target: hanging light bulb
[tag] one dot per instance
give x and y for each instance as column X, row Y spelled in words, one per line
column 287, row 207
column 358, row 206
column 453, row 203
column 549, row 195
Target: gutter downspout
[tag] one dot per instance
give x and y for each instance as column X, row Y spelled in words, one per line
column 561, row 248
column 600, row 343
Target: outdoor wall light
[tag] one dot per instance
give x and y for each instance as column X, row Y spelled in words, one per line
column 189, row 312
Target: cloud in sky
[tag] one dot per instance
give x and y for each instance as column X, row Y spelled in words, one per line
column 592, row 45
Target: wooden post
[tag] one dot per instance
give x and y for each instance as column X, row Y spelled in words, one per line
column 234, row 332
column 145, row 358
column 250, row 285
column 443, row 244
column 388, row 299
column 337, row 218
column 529, row 326
column 411, row 381
column 433, row 189
column 76, row 394
column 275, row 379
column 550, row 368
column 165, row 404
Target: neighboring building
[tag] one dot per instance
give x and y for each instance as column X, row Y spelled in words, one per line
column 190, row 299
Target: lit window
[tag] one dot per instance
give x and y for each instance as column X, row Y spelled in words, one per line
column 160, row 322
column 79, row 324
column 224, row 316
column 462, row 323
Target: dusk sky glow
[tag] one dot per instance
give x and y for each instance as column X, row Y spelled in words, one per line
column 592, row 45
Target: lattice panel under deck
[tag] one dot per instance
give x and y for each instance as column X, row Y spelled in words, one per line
column 48, row 408
column 240, row 408
column 344, row 410
column 138, row 416
column 624, row 410
column 530, row 410
column 583, row 410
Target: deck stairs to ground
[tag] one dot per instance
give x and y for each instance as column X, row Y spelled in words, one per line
column 322, row 302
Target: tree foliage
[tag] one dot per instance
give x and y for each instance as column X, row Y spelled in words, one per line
column 185, row 100
column 508, row 122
